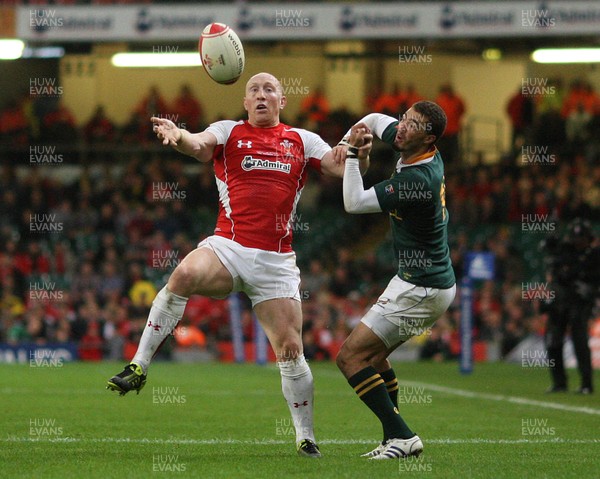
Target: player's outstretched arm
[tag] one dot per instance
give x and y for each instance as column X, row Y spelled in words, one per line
column 376, row 124
column 361, row 140
column 356, row 198
column 198, row 145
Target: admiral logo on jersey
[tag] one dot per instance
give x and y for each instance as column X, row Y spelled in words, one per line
column 249, row 163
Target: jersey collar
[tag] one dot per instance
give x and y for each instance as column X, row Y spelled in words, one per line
column 419, row 160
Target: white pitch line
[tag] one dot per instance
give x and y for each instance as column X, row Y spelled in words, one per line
column 502, row 398
column 271, row 442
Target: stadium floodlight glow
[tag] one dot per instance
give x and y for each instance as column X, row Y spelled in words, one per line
column 156, row 60
column 44, row 52
column 11, row 48
column 492, row 54
column 566, row 55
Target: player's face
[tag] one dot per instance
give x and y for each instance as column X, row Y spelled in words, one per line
column 264, row 99
column 413, row 132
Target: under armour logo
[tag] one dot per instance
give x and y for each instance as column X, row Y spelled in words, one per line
column 155, row 326
column 297, row 405
column 247, row 144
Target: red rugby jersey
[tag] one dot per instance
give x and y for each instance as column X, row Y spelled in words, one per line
column 260, row 173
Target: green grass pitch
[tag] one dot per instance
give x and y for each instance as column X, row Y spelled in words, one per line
column 230, row 421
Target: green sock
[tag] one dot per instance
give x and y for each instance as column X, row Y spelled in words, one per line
column 370, row 387
column 391, row 383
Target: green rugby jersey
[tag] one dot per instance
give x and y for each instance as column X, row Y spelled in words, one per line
column 415, row 199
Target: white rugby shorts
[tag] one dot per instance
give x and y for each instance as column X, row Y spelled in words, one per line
column 405, row 310
column 261, row 274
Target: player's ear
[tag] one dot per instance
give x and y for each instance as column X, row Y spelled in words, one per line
column 282, row 102
column 430, row 139
column 245, row 104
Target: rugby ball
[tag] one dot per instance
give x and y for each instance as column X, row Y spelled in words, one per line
column 222, row 53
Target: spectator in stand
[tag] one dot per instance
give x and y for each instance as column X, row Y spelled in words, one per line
column 189, row 336
column 409, row 97
column 312, row 351
column 314, row 109
column 341, row 283
column 552, row 102
column 15, row 331
column 9, row 209
column 8, row 265
column 165, row 222
column 14, row 125
column 189, row 109
column 106, row 221
column 152, row 104
column 11, row 301
column 140, row 221
column 338, row 122
column 520, row 109
column 59, row 125
column 389, row 102
column 99, row 128
column 436, row 346
column 35, row 325
column 581, row 93
column 315, row 279
column 577, row 126
column 112, row 280
column 513, row 332
column 454, row 107
column 114, row 331
column 371, row 98
column 91, row 344
column 160, row 251
column 34, row 262
column 141, row 291
column 86, row 279
column 133, row 131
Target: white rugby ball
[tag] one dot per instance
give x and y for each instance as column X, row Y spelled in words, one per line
column 222, row 53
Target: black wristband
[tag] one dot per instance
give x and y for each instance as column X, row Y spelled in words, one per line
column 353, row 150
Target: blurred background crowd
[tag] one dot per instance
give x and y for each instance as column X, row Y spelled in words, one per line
column 83, row 254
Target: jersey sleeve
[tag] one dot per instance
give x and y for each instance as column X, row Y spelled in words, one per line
column 387, row 195
column 382, row 126
column 221, row 130
column 315, row 148
column 403, row 189
column 388, row 135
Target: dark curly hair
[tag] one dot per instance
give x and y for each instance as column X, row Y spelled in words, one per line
column 435, row 116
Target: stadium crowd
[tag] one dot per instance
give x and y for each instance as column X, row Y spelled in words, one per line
column 82, row 255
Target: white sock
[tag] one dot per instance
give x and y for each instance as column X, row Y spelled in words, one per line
column 167, row 309
column 297, row 386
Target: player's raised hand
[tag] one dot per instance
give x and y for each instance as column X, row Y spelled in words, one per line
column 365, row 149
column 166, row 131
column 361, row 138
column 339, row 153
